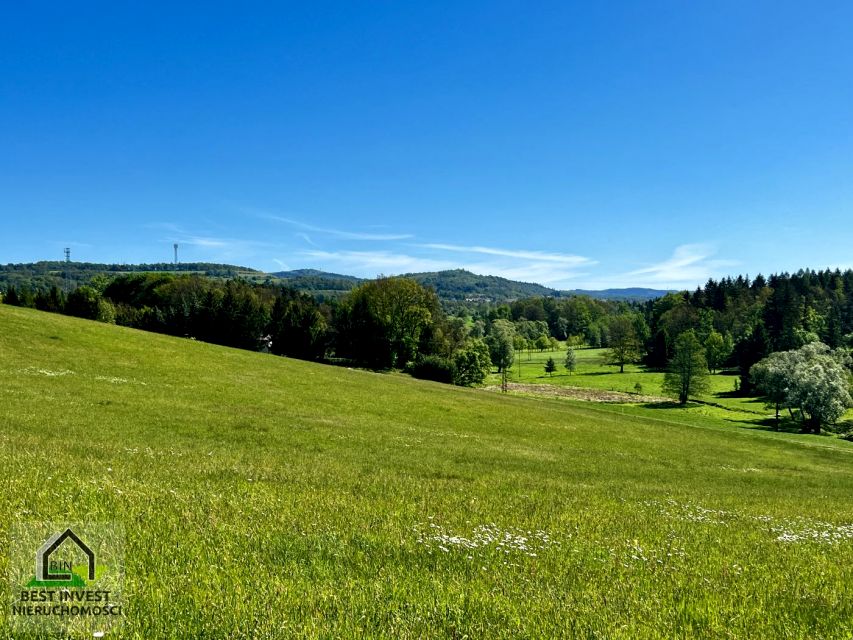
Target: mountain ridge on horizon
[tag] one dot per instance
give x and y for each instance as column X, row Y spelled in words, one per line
column 461, row 284
column 450, row 284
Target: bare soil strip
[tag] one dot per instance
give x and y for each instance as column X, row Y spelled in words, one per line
column 578, row 393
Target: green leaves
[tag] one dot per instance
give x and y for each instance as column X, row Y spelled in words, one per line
column 688, row 370
column 382, row 322
column 812, row 379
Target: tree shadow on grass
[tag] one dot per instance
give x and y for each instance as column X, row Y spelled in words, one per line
column 737, row 395
column 545, row 376
column 765, row 424
column 769, row 424
column 672, row 404
column 786, row 425
column 729, row 394
column 599, row 373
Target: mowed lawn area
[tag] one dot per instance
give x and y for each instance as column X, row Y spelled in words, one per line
column 264, row 497
column 593, row 373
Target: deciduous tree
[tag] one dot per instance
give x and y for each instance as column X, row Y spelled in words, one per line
column 571, row 360
column 383, row 321
column 715, row 350
column 688, row 370
column 472, row 363
column 623, row 341
column 500, row 342
column 811, row 379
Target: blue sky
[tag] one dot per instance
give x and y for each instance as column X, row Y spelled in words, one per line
column 573, row 144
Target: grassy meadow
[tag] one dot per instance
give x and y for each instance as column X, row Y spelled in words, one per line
column 264, row 497
column 592, row 373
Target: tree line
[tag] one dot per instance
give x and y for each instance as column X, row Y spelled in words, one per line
column 787, row 337
column 383, row 323
column 733, row 323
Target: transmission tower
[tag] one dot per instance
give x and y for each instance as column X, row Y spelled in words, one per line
column 67, row 263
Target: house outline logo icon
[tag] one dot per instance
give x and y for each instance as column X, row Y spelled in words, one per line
column 52, row 544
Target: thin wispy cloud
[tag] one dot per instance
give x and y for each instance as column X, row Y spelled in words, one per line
column 306, row 238
column 213, row 248
column 371, row 263
column 210, row 243
column 689, row 263
column 539, row 272
column 535, row 256
column 688, row 266
column 339, row 233
column 281, row 264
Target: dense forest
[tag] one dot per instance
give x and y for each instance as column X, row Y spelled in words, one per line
column 758, row 317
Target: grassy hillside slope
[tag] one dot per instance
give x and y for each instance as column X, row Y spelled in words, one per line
column 266, row 497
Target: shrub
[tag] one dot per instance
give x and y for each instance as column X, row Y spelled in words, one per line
column 84, row 302
column 471, row 364
column 106, row 312
column 433, row 368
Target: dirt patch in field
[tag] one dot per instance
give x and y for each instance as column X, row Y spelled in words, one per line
column 577, row 393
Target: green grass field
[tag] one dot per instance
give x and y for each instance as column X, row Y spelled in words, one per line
column 270, row 498
column 592, row 373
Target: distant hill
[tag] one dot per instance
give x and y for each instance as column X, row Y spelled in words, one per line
column 461, row 285
column 47, row 273
column 453, row 285
column 296, row 274
column 632, row 293
column 456, row 285
column 323, row 285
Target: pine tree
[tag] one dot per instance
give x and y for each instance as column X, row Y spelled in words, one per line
column 550, row 366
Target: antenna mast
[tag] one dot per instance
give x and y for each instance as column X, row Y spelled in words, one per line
column 67, row 262
column 176, row 253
